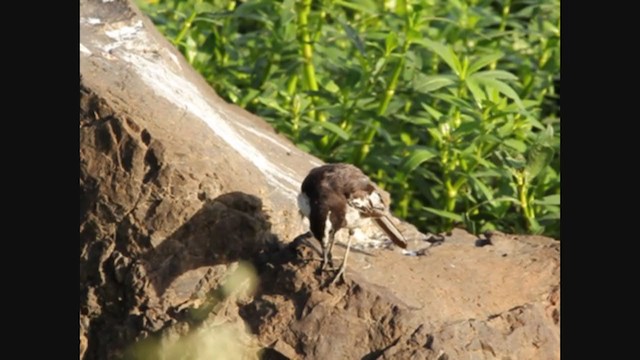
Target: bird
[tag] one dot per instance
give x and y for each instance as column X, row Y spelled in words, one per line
column 337, row 196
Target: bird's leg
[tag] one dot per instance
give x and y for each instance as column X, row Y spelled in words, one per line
column 343, row 266
column 326, row 252
column 324, row 257
column 332, row 240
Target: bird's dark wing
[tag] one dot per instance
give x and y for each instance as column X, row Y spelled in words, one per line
column 317, row 221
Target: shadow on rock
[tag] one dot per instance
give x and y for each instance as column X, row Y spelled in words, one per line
column 229, row 228
column 131, row 294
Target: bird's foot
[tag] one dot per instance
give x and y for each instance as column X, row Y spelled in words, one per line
column 330, row 268
column 338, row 275
column 327, row 260
column 327, row 265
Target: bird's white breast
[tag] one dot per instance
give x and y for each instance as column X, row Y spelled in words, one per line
column 353, row 217
column 303, row 204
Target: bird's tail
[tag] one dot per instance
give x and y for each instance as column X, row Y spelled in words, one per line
column 392, row 231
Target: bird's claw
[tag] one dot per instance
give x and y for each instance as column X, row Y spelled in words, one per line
column 326, row 266
column 339, row 275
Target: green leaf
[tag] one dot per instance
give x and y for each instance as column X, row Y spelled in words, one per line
column 496, row 74
column 554, row 214
column 417, row 157
column 401, row 7
column 546, row 137
column 218, row 20
column 413, row 35
column 489, row 139
column 477, row 93
column 273, row 104
column 417, row 120
column 353, row 77
column 435, row 133
column 485, row 163
column 495, row 202
column 391, row 42
column 533, row 121
column 484, row 61
column 424, row 83
column 287, row 11
column 515, row 164
column 353, row 35
column 506, row 129
column 433, row 112
column 501, row 87
column 506, row 199
column 518, row 145
column 528, row 104
column 467, row 127
column 443, row 213
column 201, row 7
column 248, row 97
column 379, row 65
column 535, row 227
column 538, row 158
column 430, row 176
column 453, row 100
column 406, row 138
column 360, row 6
column 332, row 128
column 331, row 87
column 444, row 52
column 249, row 10
column 482, row 187
column 488, row 173
column 549, row 200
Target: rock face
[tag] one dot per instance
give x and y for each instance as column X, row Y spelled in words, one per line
column 187, row 222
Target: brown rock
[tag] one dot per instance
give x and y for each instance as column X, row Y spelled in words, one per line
column 187, row 202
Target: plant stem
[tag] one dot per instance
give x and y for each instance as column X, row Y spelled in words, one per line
column 306, row 45
column 384, row 104
column 503, row 25
column 185, row 27
column 523, row 190
column 393, row 84
column 403, row 205
column 308, row 69
column 293, row 102
column 505, row 14
column 450, row 193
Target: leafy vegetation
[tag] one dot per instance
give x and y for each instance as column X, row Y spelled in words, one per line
column 452, row 106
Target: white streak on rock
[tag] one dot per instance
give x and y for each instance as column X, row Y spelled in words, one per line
column 173, row 87
column 124, row 33
column 90, row 21
column 84, row 50
column 264, row 136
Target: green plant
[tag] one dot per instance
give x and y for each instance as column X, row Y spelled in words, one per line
column 452, row 106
